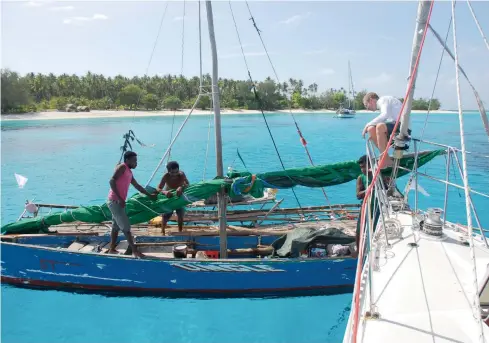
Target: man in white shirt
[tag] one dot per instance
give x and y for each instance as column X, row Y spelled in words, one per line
column 380, row 128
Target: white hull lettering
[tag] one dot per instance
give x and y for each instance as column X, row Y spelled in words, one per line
column 236, row 268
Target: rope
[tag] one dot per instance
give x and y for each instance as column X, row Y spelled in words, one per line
column 393, row 178
column 151, row 56
column 191, row 110
column 273, row 139
column 478, row 25
column 140, row 94
column 181, row 73
column 482, row 110
column 476, row 302
column 183, row 38
column 289, row 102
column 173, row 141
column 374, row 179
column 257, row 98
column 436, row 80
column 208, row 139
column 149, row 208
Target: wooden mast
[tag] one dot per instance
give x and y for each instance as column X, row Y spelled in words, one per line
column 221, row 197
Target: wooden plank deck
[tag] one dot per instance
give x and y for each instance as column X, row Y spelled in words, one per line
column 77, row 228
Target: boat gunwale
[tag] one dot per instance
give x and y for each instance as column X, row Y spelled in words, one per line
column 193, row 260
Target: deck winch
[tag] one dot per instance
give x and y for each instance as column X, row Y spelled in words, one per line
column 432, row 224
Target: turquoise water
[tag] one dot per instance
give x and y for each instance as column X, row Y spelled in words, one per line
column 71, row 161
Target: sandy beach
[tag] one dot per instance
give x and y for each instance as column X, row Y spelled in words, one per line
column 52, row 115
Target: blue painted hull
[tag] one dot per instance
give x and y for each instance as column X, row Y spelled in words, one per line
column 50, row 268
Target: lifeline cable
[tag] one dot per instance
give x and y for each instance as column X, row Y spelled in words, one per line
column 376, row 175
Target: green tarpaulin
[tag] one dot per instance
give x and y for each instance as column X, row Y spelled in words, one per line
column 141, row 208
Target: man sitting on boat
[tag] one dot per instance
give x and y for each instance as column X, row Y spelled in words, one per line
column 380, row 128
column 119, row 186
column 173, row 180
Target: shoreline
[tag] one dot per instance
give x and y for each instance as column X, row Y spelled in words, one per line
column 53, row 115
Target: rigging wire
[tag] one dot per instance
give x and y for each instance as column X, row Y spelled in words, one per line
column 393, row 177
column 436, row 79
column 478, row 25
column 181, row 72
column 151, row 55
column 131, row 136
column 476, row 302
column 201, row 93
column 208, row 139
column 480, row 104
column 289, row 101
column 368, row 192
column 257, row 98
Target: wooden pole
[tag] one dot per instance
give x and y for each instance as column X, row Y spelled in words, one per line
column 221, row 197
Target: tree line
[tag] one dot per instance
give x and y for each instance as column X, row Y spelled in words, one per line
column 40, row 92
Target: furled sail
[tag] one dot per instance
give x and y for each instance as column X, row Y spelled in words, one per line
column 141, row 209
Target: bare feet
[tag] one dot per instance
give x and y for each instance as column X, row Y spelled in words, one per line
column 112, row 251
column 137, row 254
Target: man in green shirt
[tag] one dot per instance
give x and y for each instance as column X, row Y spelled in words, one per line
column 361, row 190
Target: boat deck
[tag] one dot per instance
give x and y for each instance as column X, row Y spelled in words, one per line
column 79, row 228
column 411, row 284
column 93, row 238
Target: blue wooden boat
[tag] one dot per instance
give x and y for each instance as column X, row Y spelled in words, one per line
column 78, row 263
column 247, row 265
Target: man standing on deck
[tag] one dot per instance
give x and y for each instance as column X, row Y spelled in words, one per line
column 380, row 128
column 173, row 180
column 119, row 186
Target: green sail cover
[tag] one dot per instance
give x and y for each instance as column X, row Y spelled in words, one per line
column 141, row 208
column 324, row 175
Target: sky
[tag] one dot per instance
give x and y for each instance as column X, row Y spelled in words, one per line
column 312, row 41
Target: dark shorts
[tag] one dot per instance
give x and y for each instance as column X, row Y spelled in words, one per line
column 390, row 128
column 180, row 212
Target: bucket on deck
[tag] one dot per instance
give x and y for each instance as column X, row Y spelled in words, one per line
column 180, row 251
column 212, row 254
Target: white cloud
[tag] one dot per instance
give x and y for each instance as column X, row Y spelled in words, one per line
column 380, row 79
column 62, row 8
column 34, row 4
column 178, row 19
column 295, row 19
column 100, row 17
column 80, row 20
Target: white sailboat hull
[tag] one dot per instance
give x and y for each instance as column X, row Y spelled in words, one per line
column 424, row 293
column 346, row 114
